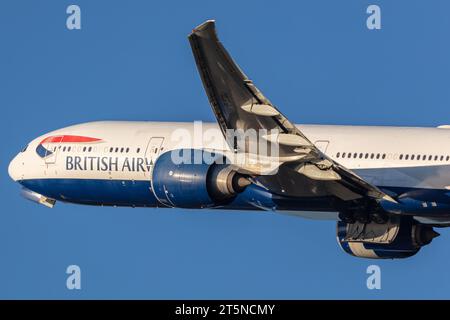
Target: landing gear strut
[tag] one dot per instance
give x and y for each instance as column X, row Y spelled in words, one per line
column 347, row 217
column 363, row 217
column 379, row 217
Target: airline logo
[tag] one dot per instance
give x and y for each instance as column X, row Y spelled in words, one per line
column 50, row 144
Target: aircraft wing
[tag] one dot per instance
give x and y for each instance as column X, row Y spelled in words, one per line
column 238, row 105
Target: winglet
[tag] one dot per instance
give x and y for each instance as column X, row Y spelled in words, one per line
column 205, row 25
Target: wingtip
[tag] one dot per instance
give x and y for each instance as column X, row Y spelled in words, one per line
column 205, row 25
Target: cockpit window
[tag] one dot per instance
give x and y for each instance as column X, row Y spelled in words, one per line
column 24, row 149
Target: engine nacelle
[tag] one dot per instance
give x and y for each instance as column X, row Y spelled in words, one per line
column 401, row 237
column 195, row 182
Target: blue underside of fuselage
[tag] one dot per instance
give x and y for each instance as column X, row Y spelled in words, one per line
column 139, row 194
column 95, row 191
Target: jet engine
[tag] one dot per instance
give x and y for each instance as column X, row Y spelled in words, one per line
column 191, row 178
column 400, row 237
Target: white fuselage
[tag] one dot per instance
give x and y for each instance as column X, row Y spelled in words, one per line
column 375, row 148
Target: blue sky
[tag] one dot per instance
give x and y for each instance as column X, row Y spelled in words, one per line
column 316, row 60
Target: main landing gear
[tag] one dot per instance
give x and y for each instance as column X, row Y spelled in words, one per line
column 364, row 217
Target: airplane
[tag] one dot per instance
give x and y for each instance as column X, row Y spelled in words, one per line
column 387, row 188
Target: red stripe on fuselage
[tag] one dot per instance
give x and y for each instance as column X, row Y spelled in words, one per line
column 69, row 139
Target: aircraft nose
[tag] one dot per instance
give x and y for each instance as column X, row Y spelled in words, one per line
column 13, row 169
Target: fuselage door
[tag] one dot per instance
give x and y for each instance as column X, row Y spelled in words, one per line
column 153, row 150
column 52, row 147
column 322, row 145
